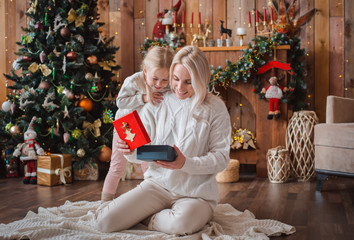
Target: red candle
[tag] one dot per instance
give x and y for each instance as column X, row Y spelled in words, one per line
column 265, row 15
column 175, row 17
column 192, row 18
column 183, row 17
column 249, row 17
column 271, row 14
column 257, row 17
column 200, row 21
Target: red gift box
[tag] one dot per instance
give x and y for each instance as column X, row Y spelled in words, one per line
column 131, row 130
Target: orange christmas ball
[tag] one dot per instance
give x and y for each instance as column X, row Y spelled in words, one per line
column 105, row 155
column 86, row 104
column 92, row 59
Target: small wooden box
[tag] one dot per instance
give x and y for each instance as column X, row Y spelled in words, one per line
column 54, row 169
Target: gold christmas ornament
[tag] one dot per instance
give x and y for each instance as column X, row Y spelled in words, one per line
column 76, row 133
column 105, row 155
column 81, row 152
column 88, row 76
column 60, row 89
column 8, row 127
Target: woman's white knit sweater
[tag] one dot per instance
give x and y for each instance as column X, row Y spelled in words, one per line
column 202, row 136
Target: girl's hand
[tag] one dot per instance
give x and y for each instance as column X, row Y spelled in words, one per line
column 176, row 164
column 156, row 97
column 123, row 147
column 145, row 100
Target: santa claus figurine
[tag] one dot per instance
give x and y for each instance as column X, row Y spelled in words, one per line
column 274, row 93
column 28, row 152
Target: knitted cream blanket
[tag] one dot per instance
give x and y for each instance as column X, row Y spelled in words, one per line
column 76, row 220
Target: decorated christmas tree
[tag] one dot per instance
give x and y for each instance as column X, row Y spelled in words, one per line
column 63, row 76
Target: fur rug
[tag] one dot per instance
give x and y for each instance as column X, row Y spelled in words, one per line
column 76, row 220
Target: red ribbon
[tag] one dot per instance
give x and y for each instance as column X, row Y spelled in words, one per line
column 274, row 64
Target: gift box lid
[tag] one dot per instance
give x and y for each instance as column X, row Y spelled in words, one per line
column 132, row 130
column 156, row 152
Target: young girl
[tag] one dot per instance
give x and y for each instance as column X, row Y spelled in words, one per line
column 177, row 197
column 138, row 89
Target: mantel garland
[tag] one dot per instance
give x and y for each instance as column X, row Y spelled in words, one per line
column 245, row 69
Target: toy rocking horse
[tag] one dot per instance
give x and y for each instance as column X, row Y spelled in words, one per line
column 224, row 30
column 204, row 37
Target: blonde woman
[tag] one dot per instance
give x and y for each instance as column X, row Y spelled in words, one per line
column 178, row 197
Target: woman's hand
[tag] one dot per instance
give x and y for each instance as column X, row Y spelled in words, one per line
column 176, row 164
column 123, row 147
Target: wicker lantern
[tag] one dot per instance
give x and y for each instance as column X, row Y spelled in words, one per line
column 278, row 164
column 299, row 142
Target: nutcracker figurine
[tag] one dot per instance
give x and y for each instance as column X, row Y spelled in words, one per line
column 28, row 152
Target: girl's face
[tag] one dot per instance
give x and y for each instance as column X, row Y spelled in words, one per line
column 157, row 78
column 182, row 82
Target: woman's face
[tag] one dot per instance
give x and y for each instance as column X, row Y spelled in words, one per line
column 157, row 78
column 182, row 82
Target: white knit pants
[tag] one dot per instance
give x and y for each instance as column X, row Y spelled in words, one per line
column 170, row 213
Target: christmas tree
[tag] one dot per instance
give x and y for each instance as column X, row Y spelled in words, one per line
column 63, row 77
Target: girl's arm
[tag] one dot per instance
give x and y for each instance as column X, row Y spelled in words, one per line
column 130, row 95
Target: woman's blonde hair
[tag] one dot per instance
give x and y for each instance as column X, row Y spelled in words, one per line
column 156, row 58
column 194, row 60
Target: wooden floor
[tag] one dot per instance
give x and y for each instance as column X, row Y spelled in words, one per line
column 316, row 215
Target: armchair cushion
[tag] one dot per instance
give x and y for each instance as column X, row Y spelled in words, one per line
column 334, row 140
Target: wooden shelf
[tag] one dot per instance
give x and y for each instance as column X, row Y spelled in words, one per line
column 236, row 48
column 244, row 156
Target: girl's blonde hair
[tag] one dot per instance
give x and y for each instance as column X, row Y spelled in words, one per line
column 156, row 58
column 194, row 60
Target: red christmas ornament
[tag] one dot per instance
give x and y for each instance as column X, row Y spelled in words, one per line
column 26, row 58
column 65, row 32
column 71, row 56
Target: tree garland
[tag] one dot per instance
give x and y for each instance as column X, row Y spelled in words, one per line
column 245, row 69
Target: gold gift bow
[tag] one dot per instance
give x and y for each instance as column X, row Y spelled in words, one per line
column 62, row 172
column 107, row 65
column 44, row 68
column 95, row 126
column 79, row 20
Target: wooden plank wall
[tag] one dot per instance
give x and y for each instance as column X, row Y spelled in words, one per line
column 327, row 37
